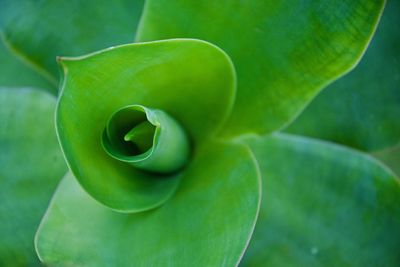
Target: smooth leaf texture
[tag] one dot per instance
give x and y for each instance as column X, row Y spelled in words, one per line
column 323, row 205
column 191, row 80
column 362, row 109
column 391, row 157
column 208, row 222
column 284, row 51
column 31, row 164
column 148, row 139
column 41, row 30
column 14, row 73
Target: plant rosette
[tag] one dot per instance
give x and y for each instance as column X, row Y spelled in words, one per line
column 138, row 125
column 174, row 144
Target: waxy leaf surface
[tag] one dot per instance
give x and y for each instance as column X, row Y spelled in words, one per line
column 391, row 157
column 323, row 205
column 207, row 222
column 41, row 30
column 362, row 109
column 31, row 164
column 15, row 73
column 284, row 52
column 191, row 80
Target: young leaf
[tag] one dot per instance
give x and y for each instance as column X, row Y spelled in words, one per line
column 148, row 139
column 190, row 80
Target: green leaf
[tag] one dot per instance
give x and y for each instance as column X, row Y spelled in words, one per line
column 391, row 157
column 284, row 52
column 191, row 80
column 208, row 222
column 14, row 73
column 362, row 109
column 41, row 30
column 323, row 205
column 148, row 139
column 31, row 163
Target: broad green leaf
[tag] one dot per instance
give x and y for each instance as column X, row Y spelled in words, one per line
column 191, row 80
column 362, row 109
column 14, row 73
column 323, row 205
column 284, row 52
column 208, row 222
column 391, row 157
column 31, row 164
column 41, row 30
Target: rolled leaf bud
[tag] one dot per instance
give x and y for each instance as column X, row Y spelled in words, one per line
column 148, row 139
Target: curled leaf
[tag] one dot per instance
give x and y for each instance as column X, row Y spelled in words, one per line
column 164, row 75
column 147, row 139
column 138, row 125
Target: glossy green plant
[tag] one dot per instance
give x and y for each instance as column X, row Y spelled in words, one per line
column 174, row 146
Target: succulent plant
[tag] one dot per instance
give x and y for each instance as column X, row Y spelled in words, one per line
column 199, row 133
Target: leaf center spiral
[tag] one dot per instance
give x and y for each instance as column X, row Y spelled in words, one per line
column 148, row 139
